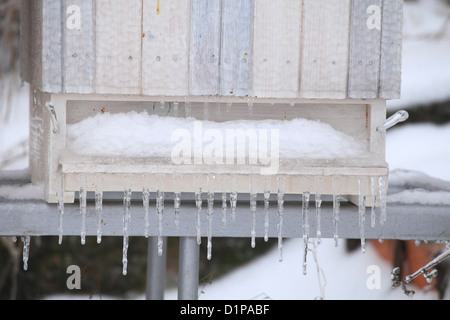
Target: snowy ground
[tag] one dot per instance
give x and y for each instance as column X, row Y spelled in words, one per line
column 420, row 147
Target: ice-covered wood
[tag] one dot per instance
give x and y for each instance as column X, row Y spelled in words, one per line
column 313, row 49
column 325, row 49
column 165, row 47
column 365, row 46
column 276, row 48
column 205, row 47
column 118, row 46
column 78, row 46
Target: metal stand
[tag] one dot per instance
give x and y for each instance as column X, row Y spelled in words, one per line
column 156, row 270
column 188, row 269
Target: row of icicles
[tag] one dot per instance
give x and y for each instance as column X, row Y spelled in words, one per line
column 378, row 191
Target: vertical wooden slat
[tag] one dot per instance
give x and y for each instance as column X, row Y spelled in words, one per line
column 325, row 41
column 79, row 46
column 165, row 64
column 118, row 46
column 236, row 47
column 365, row 42
column 26, row 16
column 52, row 71
column 391, row 49
column 276, row 48
column 205, row 47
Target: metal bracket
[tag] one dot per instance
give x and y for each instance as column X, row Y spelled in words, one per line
column 429, row 275
column 399, row 116
column 51, row 108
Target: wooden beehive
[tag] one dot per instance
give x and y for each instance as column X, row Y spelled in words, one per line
column 336, row 61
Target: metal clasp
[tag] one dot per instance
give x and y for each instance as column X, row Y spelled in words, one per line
column 51, row 108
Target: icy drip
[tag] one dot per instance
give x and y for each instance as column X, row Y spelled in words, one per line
column 146, row 203
column 253, row 212
column 318, row 202
column 160, row 212
column 210, row 200
column 176, row 208
column 60, row 197
column 305, row 227
column 188, row 109
column 198, row 203
column 266, row 208
column 382, row 194
column 176, row 108
column 126, row 228
column 336, row 209
column 83, row 195
column 26, row 251
column 233, row 198
column 362, row 213
column 224, row 209
column 373, row 193
column 280, row 205
column 99, row 206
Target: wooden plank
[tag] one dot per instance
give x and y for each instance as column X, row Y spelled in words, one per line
column 79, row 46
column 325, row 40
column 365, row 46
column 391, row 49
column 276, row 48
column 205, row 47
column 26, row 18
column 118, row 45
column 52, row 71
column 165, row 60
column 236, row 47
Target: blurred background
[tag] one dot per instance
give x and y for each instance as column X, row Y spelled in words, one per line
column 421, row 144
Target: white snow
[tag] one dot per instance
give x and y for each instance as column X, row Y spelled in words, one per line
column 142, row 135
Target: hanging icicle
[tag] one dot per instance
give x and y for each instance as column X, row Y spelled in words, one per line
column 146, row 204
column 198, row 203
column 266, row 208
column 160, row 212
column 211, row 186
column 126, row 227
column 336, row 208
column 280, row 204
column 26, row 251
column 318, row 202
column 83, row 195
column 362, row 213
column 99, row 205
column 60, row 197
column 305, row 227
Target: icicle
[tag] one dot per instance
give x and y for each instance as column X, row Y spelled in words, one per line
column 146, row 204
column 198, row 203
column 99, row 205
column 318, row 201
column 60, row 197
column 224, row 209
column 266, row 208
column 382, row 193
column 362, row 213
column 280, row 202
column 160, row 212
column 253, row 212
column 126, row 227
column 233, row 197
column 336, row 208
column 211, row 180
column 176, row 107
column 305, row 226
column 26, row 251
column 83, row 195
column 373, row 188
column 188, row 109
column 177, row 202
column 176, row 206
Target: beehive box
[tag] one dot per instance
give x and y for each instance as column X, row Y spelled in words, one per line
column 334, row 61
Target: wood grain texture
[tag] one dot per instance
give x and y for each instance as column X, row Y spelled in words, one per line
column 205, row 47
column 79, row 47
column 325, row 41
column 365, row 43
column 276, row 48
column 165, row 59
column 236, row 47
column 52, row 71
column 391, row 50
column 118, row 45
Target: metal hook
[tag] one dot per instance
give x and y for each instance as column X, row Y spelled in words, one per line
column 51, row 108
column 399, row 116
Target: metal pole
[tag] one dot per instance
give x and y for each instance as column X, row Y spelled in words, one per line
column 156, row 270
column 188, row 271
